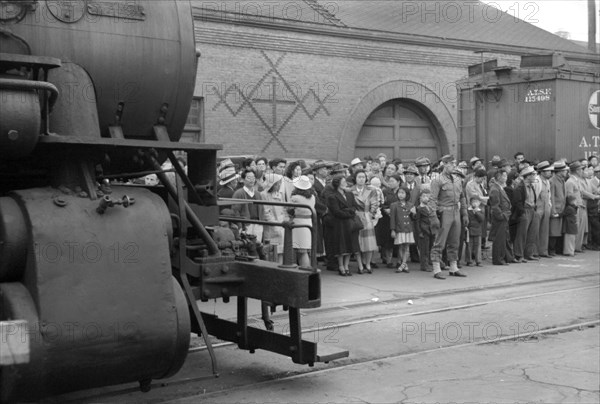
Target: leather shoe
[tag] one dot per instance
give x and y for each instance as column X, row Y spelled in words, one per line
column 458, row 273
column 546, row 256
column 439, row 276
column 531, row 259
column 500, row 263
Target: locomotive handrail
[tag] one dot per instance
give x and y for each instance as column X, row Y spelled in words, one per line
column 313, row 228
column 15, row 84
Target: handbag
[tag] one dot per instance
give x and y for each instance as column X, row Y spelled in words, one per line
column 357, row 224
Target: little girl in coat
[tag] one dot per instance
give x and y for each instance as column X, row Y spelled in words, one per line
column 401, row 225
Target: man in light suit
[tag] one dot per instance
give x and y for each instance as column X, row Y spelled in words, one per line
column 558, row 196
column 544, row 207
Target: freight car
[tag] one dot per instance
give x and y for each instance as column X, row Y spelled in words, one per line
column 546, row 107
column 99, row 278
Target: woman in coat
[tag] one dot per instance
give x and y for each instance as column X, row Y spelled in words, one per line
column 342, row 208
column 367, row 203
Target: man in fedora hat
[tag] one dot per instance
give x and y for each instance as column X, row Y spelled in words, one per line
column 447, row 198
column 423, row 165
column 413, row 190
column 356, row 164
column 544, row 207
column 320, row 170
column 525, row 204
column 558, row 195
column 573, row 188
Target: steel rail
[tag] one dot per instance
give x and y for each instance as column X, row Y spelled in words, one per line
column 377, row 318
column 514, row 336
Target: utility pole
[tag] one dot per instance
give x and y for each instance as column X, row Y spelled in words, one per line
column 592, row 26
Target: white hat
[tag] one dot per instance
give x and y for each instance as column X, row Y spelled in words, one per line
column 302, row 182
column 526, row 171
column 225, row 164
column 355, row 161
column 227, row 175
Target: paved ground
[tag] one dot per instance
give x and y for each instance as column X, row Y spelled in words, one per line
column 557, row 369
column 386, row 285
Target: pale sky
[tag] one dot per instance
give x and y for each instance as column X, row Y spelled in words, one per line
column 552, row 15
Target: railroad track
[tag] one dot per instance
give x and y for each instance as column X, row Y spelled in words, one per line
column 186, row 386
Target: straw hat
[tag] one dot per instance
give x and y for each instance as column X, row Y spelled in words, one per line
column 302, row 182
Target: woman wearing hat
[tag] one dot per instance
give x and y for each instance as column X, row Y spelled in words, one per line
column 342, row 208
column 366, row 201
column 301, row 236
column 272, row 213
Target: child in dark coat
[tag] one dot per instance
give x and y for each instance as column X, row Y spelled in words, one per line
column 427, row 226
column 570, row 226
column 475, row 228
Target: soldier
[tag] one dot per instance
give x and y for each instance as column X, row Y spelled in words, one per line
column 447, row 198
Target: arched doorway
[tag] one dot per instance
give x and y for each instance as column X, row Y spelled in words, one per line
column 401, row 129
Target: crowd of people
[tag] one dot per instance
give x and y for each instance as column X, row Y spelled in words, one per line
column 442, row 215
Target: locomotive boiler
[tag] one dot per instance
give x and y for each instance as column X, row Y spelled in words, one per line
column 106, row 274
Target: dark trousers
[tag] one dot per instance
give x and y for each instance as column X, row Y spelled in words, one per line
column 473, row 249
column 594, row 230
column 329, row 241
column 425, row 244
column 501, row 250
column 555, row 245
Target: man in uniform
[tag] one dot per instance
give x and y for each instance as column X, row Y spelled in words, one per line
column 447, row 198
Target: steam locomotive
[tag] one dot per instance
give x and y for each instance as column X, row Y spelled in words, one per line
column 103, row 277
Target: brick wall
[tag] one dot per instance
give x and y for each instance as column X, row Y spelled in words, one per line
column 326, row 87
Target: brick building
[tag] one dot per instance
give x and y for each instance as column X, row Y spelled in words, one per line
column 335, row 80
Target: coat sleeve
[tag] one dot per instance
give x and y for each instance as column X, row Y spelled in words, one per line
column 393, row 214
column 336, row 209
column 496, row 211
column 519, row 202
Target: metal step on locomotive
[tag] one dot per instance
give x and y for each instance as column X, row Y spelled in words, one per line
column 100, row 278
